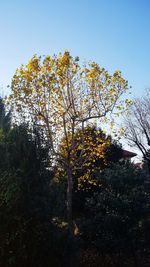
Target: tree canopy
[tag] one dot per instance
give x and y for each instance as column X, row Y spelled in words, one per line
column 60, row 96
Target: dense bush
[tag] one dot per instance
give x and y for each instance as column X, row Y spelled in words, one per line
column 117, row 215
column 25, row 209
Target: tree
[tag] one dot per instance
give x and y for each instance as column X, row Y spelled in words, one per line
column 61, row 97
column 99, row 151
column 137, row 124
column 28, row 236
column 86, row 157
column 116, row 217
column 5, row 119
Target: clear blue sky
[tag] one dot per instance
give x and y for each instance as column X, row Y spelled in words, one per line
column 114, row 33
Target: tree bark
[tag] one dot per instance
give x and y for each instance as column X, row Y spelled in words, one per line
column 69, row 198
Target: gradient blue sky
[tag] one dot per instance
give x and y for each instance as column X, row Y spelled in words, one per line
column 114, row 33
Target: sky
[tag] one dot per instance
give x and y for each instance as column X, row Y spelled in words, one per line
column 114, row 33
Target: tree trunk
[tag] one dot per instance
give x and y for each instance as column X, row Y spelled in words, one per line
column 148, row 165
column 69, row 198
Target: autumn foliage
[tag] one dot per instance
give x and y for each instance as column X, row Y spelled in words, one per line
column 59, row 95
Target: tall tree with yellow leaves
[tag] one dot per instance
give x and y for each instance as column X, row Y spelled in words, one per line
column 61, row 96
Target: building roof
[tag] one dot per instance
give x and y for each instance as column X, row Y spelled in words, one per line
column 128, row 154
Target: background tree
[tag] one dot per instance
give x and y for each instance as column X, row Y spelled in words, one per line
column 61, row 97
column 100, row 151
column 26, row 236
column 5, row 120
column 137, row 125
